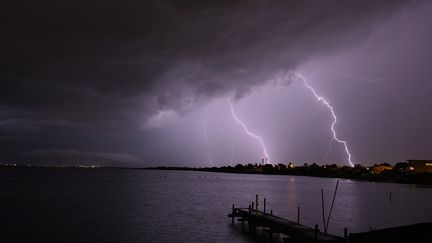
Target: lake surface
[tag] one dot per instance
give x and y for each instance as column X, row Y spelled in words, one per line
column 119, row 205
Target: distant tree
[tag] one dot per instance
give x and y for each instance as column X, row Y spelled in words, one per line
column 401, row 166
column 359, row 166
column 333, row 166
column 282, row 167
column 314, row 166
column 239, row 168
column 346, row 169
column 359, row 170
column 268, row 168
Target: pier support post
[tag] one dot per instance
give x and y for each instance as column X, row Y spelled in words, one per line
column 254, row 227
column 232, row 215
column 271, row 212
column 253, row 206
column 298, row 215
column 346, row 234
column 322, row 209
column 316, row 232
column 249, row 220
column 265, row 204
column 243, row 225
column 270, row 235
column 256, row 202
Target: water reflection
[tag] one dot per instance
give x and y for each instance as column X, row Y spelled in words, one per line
column 181, row 206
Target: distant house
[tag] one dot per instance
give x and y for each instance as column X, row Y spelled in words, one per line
column 401, row 167
column 378, row 169
column 420, row 166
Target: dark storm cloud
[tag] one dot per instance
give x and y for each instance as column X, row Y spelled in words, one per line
column 115, row 63
column 75, row 157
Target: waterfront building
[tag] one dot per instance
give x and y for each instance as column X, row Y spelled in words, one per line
column 420, row 166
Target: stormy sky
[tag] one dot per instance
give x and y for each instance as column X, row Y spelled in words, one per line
column 146, row 83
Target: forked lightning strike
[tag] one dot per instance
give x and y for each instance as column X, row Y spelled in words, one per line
column 206, row 139
column 354, row 75
column 249, row 132
column 327, row 104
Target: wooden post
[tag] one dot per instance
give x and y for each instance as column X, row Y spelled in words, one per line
column 265, row 204
column 253, row 227
column 249, row 219
column 346, row 234
column 322, row 209
column 256, row 202
column 316, row 232
column 331, row 207
column 243, row 224
column 271, row 212
column 298, row 215
column 232, row 215
column 252, row 221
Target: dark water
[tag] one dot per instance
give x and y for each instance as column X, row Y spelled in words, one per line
column 112, row 205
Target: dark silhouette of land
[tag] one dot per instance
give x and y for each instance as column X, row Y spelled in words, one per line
column 411, row 172
column 400, row 173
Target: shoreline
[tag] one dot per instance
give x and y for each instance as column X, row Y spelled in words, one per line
column 420, row 179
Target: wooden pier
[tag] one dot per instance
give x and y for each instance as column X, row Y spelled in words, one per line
column 418, row 233
column 297, row 233
column 294, row 231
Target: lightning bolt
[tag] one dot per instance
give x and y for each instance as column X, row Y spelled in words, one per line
column 206, row 138
column 328, row 150
column 354, row 75
column 260, row 140
column 327, row 104
column 233, row 143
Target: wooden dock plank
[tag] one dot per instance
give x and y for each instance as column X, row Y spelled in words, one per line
column 300, row 233
column 284, row 226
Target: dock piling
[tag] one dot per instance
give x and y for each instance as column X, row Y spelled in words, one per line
column 233, row 215
column 270, row 235
column 322, row 209
column 242, row 225
column 253, row 223
column 272, row 224
column 331, row 207
column 249, row 219
column 256, row 202
column 346, row 234
column 265, row 204
column 298, row 215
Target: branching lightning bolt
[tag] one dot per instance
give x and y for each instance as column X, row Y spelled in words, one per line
column 232, row 151
column 249, row 132
column 206, row 139
column 354, row 75
column 327, row 104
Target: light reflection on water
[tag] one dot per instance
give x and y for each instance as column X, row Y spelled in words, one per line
column 180, row 206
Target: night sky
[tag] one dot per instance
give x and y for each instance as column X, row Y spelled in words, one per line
column 145, row 83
